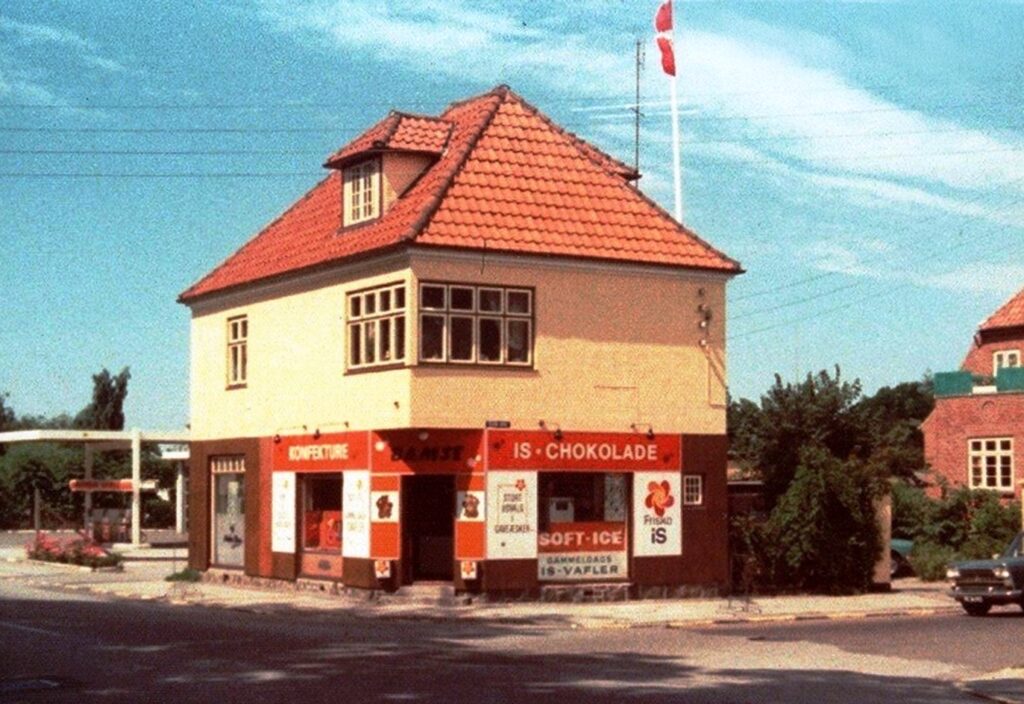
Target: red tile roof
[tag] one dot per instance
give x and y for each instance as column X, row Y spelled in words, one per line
column 1009, row 315
column 397, row 132
column 506, row 179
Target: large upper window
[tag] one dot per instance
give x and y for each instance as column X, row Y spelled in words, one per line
column 376, row 326
column 1005, row 358
column 238, row 352
column 362, row 192
column 991, row 463
column 464, row 324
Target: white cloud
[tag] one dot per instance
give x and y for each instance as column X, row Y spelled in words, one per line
column 30, row 33
column 103, row 63
column 979, row 278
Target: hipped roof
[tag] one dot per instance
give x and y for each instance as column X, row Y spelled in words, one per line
column 506, row 179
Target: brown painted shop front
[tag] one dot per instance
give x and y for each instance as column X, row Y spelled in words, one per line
column 499, row 511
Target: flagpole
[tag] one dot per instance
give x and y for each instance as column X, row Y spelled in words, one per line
column 677, row 172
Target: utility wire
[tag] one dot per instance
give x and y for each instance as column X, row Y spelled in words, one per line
column 843, row 306
column 931, row 218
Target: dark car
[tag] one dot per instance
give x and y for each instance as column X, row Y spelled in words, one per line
column 981, row 584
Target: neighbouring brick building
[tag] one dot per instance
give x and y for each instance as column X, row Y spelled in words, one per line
column 975, row 434
column 473, row 353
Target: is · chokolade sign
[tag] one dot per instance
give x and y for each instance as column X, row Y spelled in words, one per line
column 581, row 452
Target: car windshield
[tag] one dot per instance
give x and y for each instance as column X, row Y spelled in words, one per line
column 1016, row 548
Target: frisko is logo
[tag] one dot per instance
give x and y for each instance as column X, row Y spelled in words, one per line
column 659, row 497
column 659, row 500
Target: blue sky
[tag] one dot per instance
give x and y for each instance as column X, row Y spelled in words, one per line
column 864, row 161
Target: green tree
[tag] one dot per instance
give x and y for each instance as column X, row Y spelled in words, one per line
column 106, row 410
column 817, row 412
column 823, row 533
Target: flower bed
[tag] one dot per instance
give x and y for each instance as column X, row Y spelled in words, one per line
column 75, row 550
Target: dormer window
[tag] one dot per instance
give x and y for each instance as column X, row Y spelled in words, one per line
column 1003, row 359
column 362, row 192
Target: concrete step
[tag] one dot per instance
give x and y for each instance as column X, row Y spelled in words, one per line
column 430, row 593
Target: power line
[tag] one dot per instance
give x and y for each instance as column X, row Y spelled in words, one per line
column 843, row 306
column 823, row 275
column 158, row 152
column 186, row 174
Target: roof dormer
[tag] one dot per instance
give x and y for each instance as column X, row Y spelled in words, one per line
column 379, row 165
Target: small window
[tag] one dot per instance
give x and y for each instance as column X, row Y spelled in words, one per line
column 432, row 337
column 476, row 324
column 238, row 352
column 693, row 490
column 1004, row 359
column 376, row 326
column 432, row 297
column 990, row 463
column 462, row 298
column 361, row 192
column 490, row 300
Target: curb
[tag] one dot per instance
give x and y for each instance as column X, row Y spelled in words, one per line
column 573, row 624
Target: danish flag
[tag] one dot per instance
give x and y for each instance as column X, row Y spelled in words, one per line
column 663, row 24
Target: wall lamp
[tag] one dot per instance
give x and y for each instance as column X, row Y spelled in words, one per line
column 558, row 429
column 636, row 427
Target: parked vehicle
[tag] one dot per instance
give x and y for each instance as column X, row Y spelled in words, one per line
column 981, row 584
column 899, row 557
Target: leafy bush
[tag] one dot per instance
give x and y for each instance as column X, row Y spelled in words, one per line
column 964, row 524
column 77, row 550
column 824, row 527
column 822, row 536
column 930, row 560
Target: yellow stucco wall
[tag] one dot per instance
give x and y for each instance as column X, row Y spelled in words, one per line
column 613, row 346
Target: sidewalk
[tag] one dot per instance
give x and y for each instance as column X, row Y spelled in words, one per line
column 145, row 570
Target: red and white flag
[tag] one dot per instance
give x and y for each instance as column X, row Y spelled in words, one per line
column 663, row 24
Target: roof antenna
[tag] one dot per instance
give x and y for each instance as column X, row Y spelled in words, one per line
column 636, row 108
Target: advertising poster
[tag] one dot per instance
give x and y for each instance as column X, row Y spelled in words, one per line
column 282, row 512
column 657, row 514
column 355, row 507
column 511, row 515
column 571, row 552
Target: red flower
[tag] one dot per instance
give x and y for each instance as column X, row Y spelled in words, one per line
column 659, row 497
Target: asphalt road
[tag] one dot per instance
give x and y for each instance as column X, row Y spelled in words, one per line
column 56, row 647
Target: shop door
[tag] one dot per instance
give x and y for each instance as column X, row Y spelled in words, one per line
column 430, row 526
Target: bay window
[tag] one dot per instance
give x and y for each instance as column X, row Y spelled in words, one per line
column 376, row 326
column 484, row 325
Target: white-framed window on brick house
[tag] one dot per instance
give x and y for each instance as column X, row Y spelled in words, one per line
column 238, row 351
column 483, row 325
column 693, row 490
column 1002, row 359
column 361, row 193
column 990, row 463
column 376, row 326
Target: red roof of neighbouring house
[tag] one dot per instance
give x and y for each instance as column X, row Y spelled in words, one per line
column 1009, row 315
column 506, row 179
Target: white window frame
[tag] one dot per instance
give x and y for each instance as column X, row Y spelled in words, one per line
column 997, row 452
column 1004, row 359
column 237, row 351
column 361, row 192
column 380, row 318
column 502, row 316
column 693, row 490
